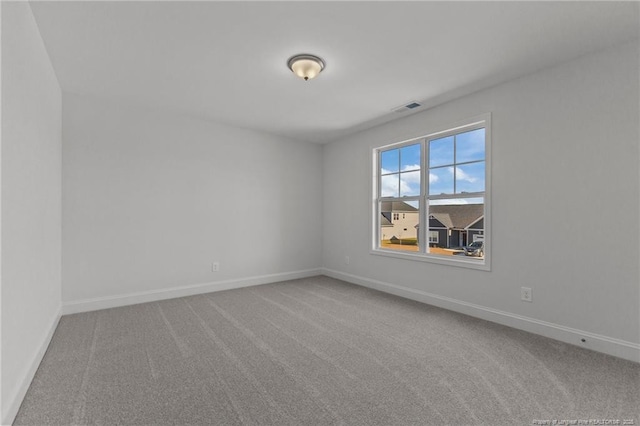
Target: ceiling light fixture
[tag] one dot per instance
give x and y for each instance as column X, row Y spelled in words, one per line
column 305, row 66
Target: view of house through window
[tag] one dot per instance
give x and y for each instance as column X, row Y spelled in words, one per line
column 400, row 177
column 440, row 181
column 397, row 233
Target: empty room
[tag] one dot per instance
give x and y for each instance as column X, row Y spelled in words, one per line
column 320, row 213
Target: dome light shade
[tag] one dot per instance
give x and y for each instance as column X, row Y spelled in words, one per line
column 305, row 66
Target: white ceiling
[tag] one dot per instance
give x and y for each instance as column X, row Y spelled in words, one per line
column 226, row 61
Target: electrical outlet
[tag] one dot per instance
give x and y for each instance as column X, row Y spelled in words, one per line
column 526, row 294
column 215, row 266
column 347, row 260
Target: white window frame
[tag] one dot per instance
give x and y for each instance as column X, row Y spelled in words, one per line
column 481, row 121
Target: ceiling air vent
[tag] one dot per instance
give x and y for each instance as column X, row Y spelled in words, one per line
column 402, row 108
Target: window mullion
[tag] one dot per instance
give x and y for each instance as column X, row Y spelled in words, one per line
column 455, row 168
column 399, row 171
column 424, row 193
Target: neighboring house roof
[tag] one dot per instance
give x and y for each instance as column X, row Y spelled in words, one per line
column 457, row 216
column 443, row 218
column 386, row 221
column 474, row 224
column 396, row 206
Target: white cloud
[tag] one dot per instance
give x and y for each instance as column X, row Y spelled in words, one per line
column 461, row 175
column 389, row 186
column 411, row 177
column 409, row 182
column 448, row 202
column 406, row 187
column 411, row 167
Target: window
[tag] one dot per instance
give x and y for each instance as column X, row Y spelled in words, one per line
column 434, row 189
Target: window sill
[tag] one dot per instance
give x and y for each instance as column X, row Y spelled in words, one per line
column 457, row 261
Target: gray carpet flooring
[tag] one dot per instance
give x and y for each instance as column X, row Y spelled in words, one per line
column 316, row 351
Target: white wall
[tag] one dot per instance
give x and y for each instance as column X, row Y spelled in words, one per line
column 31, row 199
column 151, row 199
column 565, row 157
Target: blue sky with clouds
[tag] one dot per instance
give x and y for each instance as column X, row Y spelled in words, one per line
column 400, row 168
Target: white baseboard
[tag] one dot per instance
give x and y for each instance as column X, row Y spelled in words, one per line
column 15, row 400
column 608, row 345
column 98, row 303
